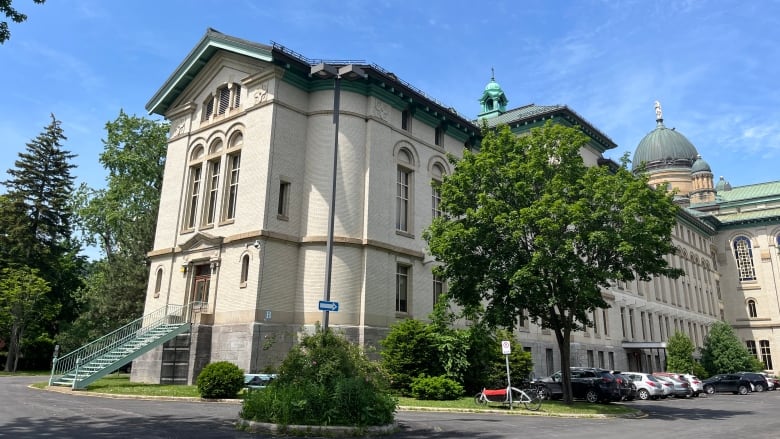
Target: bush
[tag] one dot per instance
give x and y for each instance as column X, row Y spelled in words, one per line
column 325, row 380
column 220, row 380
column 438, row 388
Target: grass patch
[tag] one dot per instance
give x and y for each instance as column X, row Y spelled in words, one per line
column 548, row 407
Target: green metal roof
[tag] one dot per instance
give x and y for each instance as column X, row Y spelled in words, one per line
column 663, row 147
column 751, row 216
column 754, row 192
column 211, row 42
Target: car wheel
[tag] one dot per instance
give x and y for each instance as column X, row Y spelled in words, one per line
column 543, row 392
column 743, row 390
column 592, row 396
column 709, row 390
column 643, row 394
column 759, row 387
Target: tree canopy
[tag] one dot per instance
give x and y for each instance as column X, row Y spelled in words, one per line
column 13, row 15
column 679, row 353
column 528, row 226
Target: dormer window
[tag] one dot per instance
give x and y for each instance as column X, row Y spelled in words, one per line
column 225, row 99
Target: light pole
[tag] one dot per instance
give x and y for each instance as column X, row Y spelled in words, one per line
column 327, row 71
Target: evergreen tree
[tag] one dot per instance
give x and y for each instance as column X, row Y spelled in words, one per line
column 37, row 220
column 724, row 353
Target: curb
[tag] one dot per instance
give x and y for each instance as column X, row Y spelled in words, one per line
column 316, row 430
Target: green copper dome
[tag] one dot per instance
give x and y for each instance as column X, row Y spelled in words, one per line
column 664, row 148
column 493, row 100
column 700, row 165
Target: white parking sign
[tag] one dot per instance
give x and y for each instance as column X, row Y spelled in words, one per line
column 506, row 349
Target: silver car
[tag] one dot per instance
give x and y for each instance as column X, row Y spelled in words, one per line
column 680, row 389
column 647, row 386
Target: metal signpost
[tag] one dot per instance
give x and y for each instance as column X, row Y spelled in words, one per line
column 506, row 349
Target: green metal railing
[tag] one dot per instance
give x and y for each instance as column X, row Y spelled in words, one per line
column 145, row 327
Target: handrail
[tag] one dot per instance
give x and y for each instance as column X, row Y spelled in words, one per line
column 169, row 314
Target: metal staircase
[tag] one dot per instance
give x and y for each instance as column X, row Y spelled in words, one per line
column 99, row 358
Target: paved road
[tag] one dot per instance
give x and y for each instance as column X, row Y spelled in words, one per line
column 32, row 413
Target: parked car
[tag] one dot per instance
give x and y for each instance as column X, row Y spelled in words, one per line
column 647, row 386
column 588, row 383
column 625, row 385
column 695, row 382
column 727, row 382
column 680, row 389
column 258, row 380
column 758, row 382
column 771, row 380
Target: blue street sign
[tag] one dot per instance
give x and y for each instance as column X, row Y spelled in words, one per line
column 326, row 305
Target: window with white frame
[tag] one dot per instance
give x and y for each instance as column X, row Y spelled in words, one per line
column 403, row 191
column 232, row 173
column 437, row 172
column 743, row 253
column 194, row 187
column 438, row 288
column 402, row 288
column 212, row 183
column 751, row 347
column 766, row 354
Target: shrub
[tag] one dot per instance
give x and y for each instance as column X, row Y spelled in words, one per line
column 438, row 388
column 325, row 380
column 220, row 380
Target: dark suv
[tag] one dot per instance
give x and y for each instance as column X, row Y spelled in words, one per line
column 758, row 381
column 727, row 382
column 588, row 383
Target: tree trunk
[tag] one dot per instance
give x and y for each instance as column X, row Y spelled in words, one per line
column 13, row 349
column 563, row 336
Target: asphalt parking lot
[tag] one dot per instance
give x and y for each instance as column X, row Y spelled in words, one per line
column 33, row 413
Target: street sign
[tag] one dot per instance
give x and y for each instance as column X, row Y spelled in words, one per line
column 506, row 349
column 327, row 305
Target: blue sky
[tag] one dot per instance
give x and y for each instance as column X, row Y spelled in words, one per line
column 713, row 65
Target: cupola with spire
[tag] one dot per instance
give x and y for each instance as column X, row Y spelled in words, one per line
column 493, row 99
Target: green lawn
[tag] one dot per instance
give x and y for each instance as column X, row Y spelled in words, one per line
column 119, row 384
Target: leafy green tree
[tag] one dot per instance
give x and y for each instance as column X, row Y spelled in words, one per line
column 13, row 15
column 120, row 219
column 407, row 352
column 724, row 353
column 37, row 219
column 526, row 225
column 24, row 301
column 679, row 353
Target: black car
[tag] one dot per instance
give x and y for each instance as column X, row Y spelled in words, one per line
column 729, row 382
column 588, row 383
column 758, row 381
column 626, row 386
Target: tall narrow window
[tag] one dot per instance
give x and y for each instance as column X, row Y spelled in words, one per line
column 606, row 322
column 406, row 120
column 213, row 191
column 208, row 108
column 623, row 321
column 158, row 282
column 236, row 96
column 282, row 209
column 438, row 288
column 234, row 166
column 751, row 347
column 601, row 359
column 437, row 173
column 223, row 95
column 631, row 322
column 438, row 136
column 403, row 191
column 743, row 252
column 611, row 357
column 751, row 306
column 401, row 288
column 766, row 354
column 549, row 362
column 244, row 270
column 194, row 193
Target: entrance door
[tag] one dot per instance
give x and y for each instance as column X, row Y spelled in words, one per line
column 200, row 287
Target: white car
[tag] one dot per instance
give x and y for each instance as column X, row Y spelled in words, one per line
column 647, row 386
column 696, row 385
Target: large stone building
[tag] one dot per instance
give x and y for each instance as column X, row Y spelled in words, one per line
column 244, row 217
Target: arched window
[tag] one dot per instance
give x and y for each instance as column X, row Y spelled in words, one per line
column 193, row 186
column 244, row 270
column 403, row 212
column 743, row 253
column 158, row 282
column 751, row 307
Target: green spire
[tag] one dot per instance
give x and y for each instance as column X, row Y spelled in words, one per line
column 493, row 99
